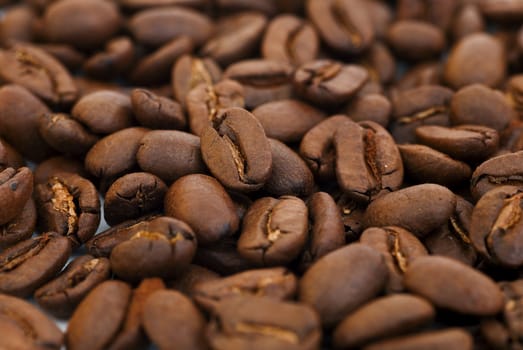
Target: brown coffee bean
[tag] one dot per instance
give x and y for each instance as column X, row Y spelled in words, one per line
column 438, row 12
column 9, row 157
column 266, row 7
column 370, row 107
column 205, row 102
column 157, row 26
column 39, row 72
column 21, row 227
column 54, row 165
column 446, row 283
column 222, row 257
column 404, row 208
column 449, row 339
column 328, row 83
column 342, row 281
column 202, row 203
column 416, row 40
column 66, row 54
column 343, row 25
column 164, row 248
column 117, row 57
column 235, row 37
column 98, row 318
column 399, row 248
column 290, row 39
column 262, row 323
column 189, row 72
column 61, row 295
column 16, row 187
column 467, row 20
column 64, row 134
column 17, row 25
column 502, row 10
column 384, row 317
column 421, row 74
column 495, row 172
column 98, row 21
column 171, row 318
column 104, row 112
column 69, row 205
column 275, row 283
column 155, row 68
column 477, row 58
column 29, row 264
column 157, row 112
column 26, row 327
column 237, row 151
column 191, row 277
column 170, row 154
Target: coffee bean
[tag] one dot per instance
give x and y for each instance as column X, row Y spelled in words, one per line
column 451, row 339
column 222, row 257
column 54, row 165
column 61, row 295
column 446, row 283
column 416, row 40
column 342, row 281
column 16, row 187
column 191, row 277
column 502, row 10
column 10, row 157
column 467, row 20
column 17, row 25
column 421, row 74
column 438, row 12
column 370, row 107
column 116, row 58
column 21, row 227
column 157, row 112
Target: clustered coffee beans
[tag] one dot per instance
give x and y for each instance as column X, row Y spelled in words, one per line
column 275, row 174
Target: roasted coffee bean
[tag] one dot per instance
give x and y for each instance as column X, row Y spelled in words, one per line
column 465, row 142
column 205, row 102
column 467, row 20
column 132, row 196
column 98, row 319
column 222, row 257
column 191, row 277
column 449, row 339
column 155, row 68
column 287, row 120
column 262, row 323
column 9, row 157
column 157, row 112
column 370, row 107
column 446, row 283
column 404, row 208
column 328, row 83
column 21, row 227
column 26, row 327
column 421, row 74
column 164, row 248
column 157, row 26
column 98, row 22
column 171, row 318
column 368, row 162
column 117, row 58
column 237, row 151
column 399, row 248
column 64, row 134
column 326, row 229
column 104, row 112
column 189, row 72
column 61, row 295
column 201, row 202
column 29, row 264
column 290, row 39
column 266, row 7
column 263, row 80
column 69, row 205
column 425, row 105
column 382, row 318
column 498, row 171
column 274, row 231
column 424, row 164
column 477, row 58
column 438, row 12
column 495, row 227
column 236, row 37
column 453, row 239
column 343, row 25
column 17, row 25
column 290, row 174
column 342, row 281
column 66, row 54
column 16, row 187
column 39, row 72
column 170, row 154
column 54, row 165
column 275, row 283
column 416, row 40
column 502, row 10
column 381, row 66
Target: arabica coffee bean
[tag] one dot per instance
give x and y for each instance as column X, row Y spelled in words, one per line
column 416, row 39
column 61, row 295
column 171, row 318
column 371, row 107
column 26, row 327
column 384, row 317
column 29, row 264
column 156, row 112
column 237, row 151
column 451, row 339
column 16, row 187
column 447, row 284
column 69, row 205
column 342, row 281
column 201, row 202
column 261, row 323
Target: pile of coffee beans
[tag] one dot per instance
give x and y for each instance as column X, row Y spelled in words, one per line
column 261, row 174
